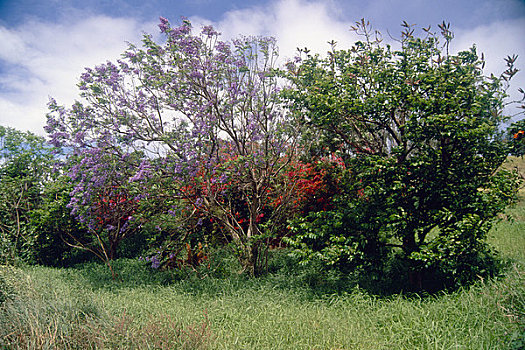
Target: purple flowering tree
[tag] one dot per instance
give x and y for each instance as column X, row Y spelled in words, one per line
column 105, row 199
column 204, row 113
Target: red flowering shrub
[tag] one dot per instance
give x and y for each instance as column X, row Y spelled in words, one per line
column 315, row 184
column 114, row 209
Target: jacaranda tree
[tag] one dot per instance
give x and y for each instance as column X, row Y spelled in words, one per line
column 204, row 113
column 418, row 128
column 105, row 199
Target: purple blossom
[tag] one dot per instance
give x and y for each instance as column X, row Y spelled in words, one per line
column 101, row 69
column 143, row 172
column 182, row 30
column 209, row 31
column 164, row 25
column 196, row 74
column 86, row 77
column 79, row 137
column 223, row 48
column 155, row 262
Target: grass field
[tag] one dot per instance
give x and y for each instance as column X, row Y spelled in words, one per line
column 82, row 308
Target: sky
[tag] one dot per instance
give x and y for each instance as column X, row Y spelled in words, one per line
column 46, row 44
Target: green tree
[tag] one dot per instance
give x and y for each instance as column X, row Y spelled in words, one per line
column 25, row 162
column 418, row 130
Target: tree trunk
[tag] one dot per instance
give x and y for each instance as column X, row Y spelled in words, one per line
column 415, row 275
column 250, row 257
column 409, row 244
column 112, row 253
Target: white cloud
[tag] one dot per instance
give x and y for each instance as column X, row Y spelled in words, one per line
column 294, row 23
column 12, row 45
column 497, row 41
column 46, row 59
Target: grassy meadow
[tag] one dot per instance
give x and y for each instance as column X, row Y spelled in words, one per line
column 83, row 308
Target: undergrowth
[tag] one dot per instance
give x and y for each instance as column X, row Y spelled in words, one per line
column 290, row 308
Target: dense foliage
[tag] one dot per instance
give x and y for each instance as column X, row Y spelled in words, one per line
column 418, row 129
column 24, row 167
column 374, row 160
column 34, row 217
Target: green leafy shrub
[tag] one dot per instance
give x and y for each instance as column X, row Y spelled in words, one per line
column 419, row 131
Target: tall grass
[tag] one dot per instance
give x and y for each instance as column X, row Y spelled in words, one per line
column 253, row 315
column 82, row 308
column 43, row 309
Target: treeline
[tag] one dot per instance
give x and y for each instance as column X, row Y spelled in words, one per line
column 370, row 160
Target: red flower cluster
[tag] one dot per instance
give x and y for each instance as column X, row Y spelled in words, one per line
column 114, row 208
column 313, row 188
column 519, row 135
